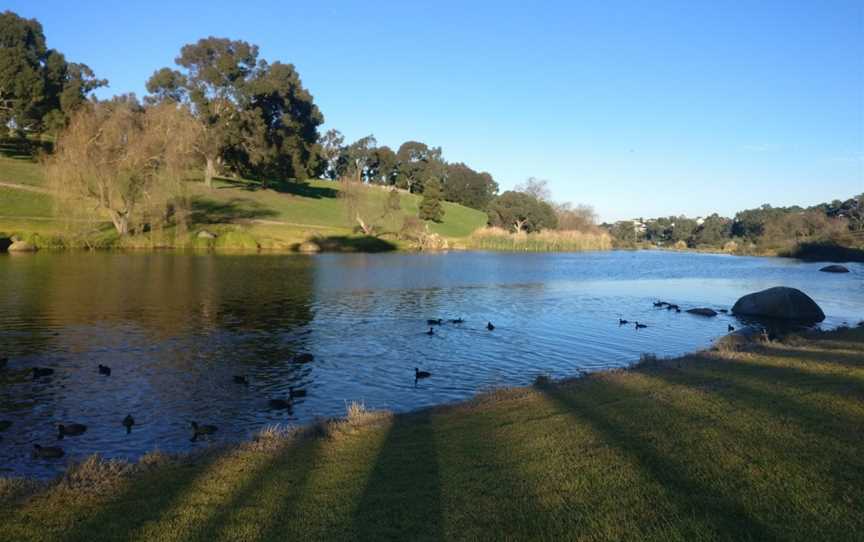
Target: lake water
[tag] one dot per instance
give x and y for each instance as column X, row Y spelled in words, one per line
column 175, row 328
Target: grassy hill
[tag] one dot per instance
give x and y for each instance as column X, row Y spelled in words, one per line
column 243, row 213
column 757, row 445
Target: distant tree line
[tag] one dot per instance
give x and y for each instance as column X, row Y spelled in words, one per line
column 767, row 227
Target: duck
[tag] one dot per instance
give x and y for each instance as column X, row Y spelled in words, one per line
column 240, row 379
column 128, row 422
column 3, row 362
column 203, row 429
column 673, row 307
column 304, row 357
column 660, row 303
column 418, row 374
column 72, row 430
column 640, row 326
column 42, row 371
column 5, row 424
column 435, row 321
column 47, row 452
column 489, row 326
column 104, row 370
column 430, row 332
column 730, row 328
column 281, row 404
column 457, row 321
column 294, row 392
column 622, row 322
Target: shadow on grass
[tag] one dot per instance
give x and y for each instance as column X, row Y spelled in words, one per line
column 344, row 243
column 207, row 211
column 634, row 435
column 402, row 499
column 296, row 188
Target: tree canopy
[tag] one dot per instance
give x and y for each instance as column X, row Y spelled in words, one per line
column 519, row 211
column 256, row 117
column 39, row 89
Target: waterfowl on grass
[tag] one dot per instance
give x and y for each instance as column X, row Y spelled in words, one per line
column 39, row 372
column 418, row 374
column 104, row 370
column 71, row 430
column 489, row 326
column 47, row 452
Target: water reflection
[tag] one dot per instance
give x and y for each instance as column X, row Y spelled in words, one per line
column 177, row 328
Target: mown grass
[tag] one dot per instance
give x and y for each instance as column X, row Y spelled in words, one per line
column 278, row 217
column 755, row 445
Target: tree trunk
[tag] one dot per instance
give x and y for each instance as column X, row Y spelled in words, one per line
column 209, row 172
column 519, row 225
column 121, row 222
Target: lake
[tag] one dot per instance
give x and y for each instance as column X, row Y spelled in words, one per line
column 175, row 328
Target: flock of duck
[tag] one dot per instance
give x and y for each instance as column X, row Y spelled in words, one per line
column 669, row 307
column 198, row 430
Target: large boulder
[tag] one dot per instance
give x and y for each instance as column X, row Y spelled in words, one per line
column 779, row 303
column 835, row 268
column 22, row 246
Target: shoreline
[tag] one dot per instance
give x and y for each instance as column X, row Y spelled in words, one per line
column 98, row 483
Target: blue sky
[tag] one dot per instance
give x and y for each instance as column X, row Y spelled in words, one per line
column 637, row 108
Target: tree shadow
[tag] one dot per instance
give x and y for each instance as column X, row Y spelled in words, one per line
column 722, row 513
column 295, row 188
column 825, row 251
column 344, row 243
column 402, row 498
column 207, row 211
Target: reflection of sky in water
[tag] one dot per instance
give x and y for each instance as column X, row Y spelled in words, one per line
column 175, row 328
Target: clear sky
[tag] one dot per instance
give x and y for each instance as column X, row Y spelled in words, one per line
column 637, row 108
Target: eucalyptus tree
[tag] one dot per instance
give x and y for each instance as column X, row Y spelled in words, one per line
column 416, row 164
column 256, row 116
column 39, row 89
column 468, row 187
column 521, row 211
column 331, row 144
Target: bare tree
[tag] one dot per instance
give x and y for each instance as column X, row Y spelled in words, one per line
column 125, row 161
column 539, row 188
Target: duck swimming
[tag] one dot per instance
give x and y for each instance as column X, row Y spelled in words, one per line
column 71, row 430
column 128, row 422
column 280, row 404
column 418, row 374
column 430, row 332
column 239, row 379
column 435, row 322
column 203, row 429
column 305, row 357
column 5, row 424
column 47, row 452
column 104, row 370
column 457, row 321
column 42, row 371
column 489, row 326
column 622, row 322
column 640, row 326
column 294, row 392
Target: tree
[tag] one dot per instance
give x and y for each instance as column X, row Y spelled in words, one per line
column 465, row 186
column 382, row 169
column 521, row 212
column 128, row 161
column 358, row 157
column 714, row 231
column 430, row 205
column 536, row 187
column 39, row 89
column 416, row 164
column 331, row 147
column 579, row 218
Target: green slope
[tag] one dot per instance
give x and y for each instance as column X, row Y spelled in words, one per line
column 278, row 217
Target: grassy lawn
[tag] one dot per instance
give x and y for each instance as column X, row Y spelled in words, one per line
column 738, row 446
column 276, row 218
